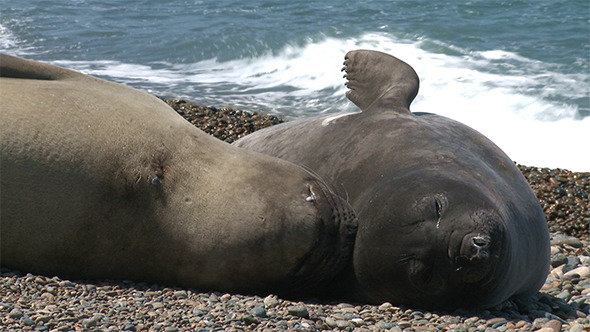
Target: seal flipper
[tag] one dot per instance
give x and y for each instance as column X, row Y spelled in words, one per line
column 379, row 81
column 14, row 67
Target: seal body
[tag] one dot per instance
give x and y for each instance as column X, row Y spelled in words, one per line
column 99, row 180
column 446, row 220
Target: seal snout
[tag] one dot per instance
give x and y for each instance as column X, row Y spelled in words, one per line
column 475, row 247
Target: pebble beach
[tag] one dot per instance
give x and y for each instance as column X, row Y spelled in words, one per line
column 45, row 303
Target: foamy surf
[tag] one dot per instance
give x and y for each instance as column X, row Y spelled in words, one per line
column 523, row 105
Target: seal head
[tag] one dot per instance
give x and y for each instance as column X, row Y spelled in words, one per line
column 434, row 248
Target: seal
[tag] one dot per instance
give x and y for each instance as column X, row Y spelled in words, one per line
column 103, row 181
column 446, row 220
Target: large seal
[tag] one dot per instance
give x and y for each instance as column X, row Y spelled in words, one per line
column 103, row 181
column 446, row 219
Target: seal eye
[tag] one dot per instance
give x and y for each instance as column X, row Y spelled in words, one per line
column 437, row 207
column 439, row 204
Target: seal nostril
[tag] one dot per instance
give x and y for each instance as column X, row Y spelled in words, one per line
column 475, row 247
column 480, row 242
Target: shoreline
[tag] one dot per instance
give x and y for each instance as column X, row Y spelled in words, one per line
column 42, row 303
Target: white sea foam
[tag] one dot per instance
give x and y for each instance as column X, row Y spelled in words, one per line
column 8, row 41
column 505, row 96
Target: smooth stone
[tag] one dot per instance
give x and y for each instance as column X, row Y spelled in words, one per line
column 582, row 271
column 15, row 313
column 342, row 324
column 558, row 259
column 181, row 294
column 553, row 324
column 497, row 320
column 250, row 320
column 388, row 325
column 566, row 296
column 258, row 312
column 561, row 239
column 539, row 322
column 577, row 328
column 157, row 305
column 270, row 301
column 558, row 271
column 90, row 322
column 385, row 306
column 298, row 310
column 573, row 261
column 129, row 327
column 331, row 322
column 28, row 321
column 357, row 321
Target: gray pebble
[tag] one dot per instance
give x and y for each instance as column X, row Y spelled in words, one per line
column 577, row 328
column 331, row 322
column 270, row 301
column 388, row 325
column 250, row 320
column 258, row 312
column 560, row 239
column 564, row 295
column 298, row 310
column 181, row 294
column 558, row 259
column 28, row 321
column 15, row 313
column 385, row 306
column 539, row 322
column 129, row 327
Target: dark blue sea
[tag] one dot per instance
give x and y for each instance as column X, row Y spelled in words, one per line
column 517, row 71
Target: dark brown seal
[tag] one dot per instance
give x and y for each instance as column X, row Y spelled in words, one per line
column 446, row 219
column 99, row 180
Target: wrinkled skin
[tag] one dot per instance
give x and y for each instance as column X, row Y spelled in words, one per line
column 446, row 220
column 99, row 180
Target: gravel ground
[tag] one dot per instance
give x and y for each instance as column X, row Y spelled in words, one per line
column 39, row 303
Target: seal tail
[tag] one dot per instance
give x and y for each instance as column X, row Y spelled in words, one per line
column 14, row 67
column 379, row 81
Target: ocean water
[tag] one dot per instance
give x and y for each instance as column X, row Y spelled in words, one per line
column 517, row 71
